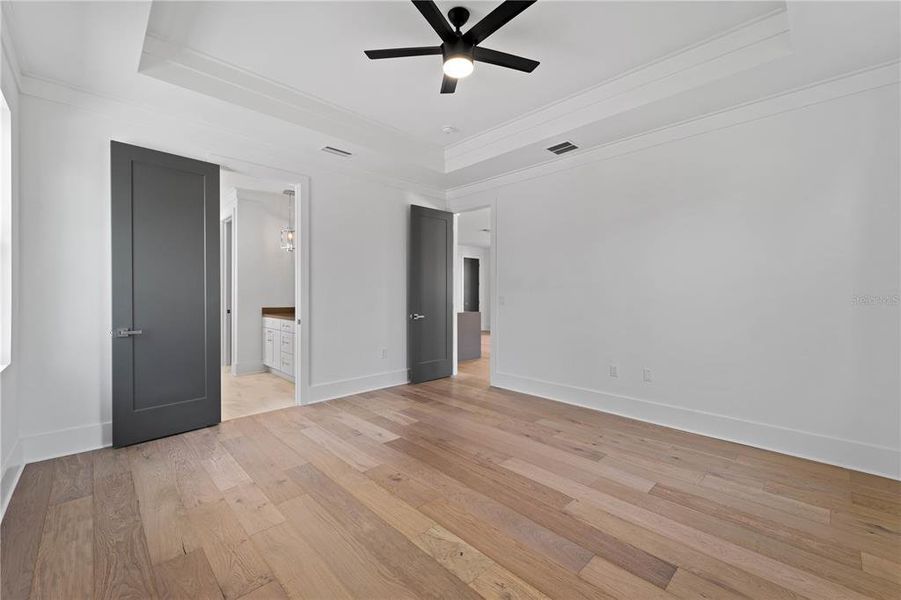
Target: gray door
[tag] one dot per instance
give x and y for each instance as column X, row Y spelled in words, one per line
column 430, row 328
column 471, row 284
column 165, row 284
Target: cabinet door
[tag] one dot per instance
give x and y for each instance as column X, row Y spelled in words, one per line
column 269, row 345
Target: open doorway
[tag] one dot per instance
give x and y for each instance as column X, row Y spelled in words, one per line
column 260, row 331
column 472, row 293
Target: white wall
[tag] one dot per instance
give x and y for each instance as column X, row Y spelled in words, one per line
column 358, row 273
column 484, row 256
column 725, row 262
column 264, row 273
column 11, row 457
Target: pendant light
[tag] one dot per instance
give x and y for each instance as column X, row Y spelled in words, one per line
column 287, row 233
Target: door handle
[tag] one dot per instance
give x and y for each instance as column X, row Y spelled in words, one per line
column 416, row 317
column 124, row 332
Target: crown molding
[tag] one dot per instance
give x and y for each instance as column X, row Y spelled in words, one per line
column 855, row 82
column 188, row 68
column 750, row 44
column 7, row 40
column 266, row 155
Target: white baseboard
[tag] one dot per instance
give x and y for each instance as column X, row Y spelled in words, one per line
column 52, row 444
column 860, row 456
column 9, row 475
column 355, row 385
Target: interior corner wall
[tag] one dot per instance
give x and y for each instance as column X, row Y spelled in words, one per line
column 264, row 273
column 754, row 269
column 358, row 268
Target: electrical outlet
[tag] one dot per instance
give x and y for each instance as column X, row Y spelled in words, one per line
column 614, row 370
column 383, row 352
column 646, row 375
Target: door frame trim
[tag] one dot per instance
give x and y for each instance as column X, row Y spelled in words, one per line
column 493, row 297
column 303, row 360
column 223, row 222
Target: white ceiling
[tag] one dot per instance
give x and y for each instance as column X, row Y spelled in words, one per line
column 317, row 49
column 299, row 67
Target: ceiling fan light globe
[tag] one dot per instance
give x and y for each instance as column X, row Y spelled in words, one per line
column 458, row 67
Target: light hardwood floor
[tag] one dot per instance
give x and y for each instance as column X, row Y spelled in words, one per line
column 253, row 394
column 449, row 489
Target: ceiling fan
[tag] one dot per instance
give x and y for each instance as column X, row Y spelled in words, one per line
column 459, row 49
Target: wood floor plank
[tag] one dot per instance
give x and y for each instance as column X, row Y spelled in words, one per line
column 64, row 567
column 235, row 562
column 358, row 569
column 539, row 571
column 270, row 591
column 688, row 586
column 887, row 569
column 797, row 532
column 72, row 477
column 252, row 508
column 515, row 525
column 166, row 525
column 416, row 568
column 497, row 583
column 618, row 582
column 617, row 551
column 789, row 505
column 187, row 577
column 269, row 475
column 122, row 566
column 23, row 525
column 454, row 554
column 298, row 566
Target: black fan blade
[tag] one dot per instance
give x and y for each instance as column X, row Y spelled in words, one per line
column 502, row 59
column 431, row 13
column 448, row 85
column 496, row 19
column 401, row 52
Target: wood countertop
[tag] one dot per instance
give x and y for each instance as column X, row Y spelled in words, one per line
column 279, row 312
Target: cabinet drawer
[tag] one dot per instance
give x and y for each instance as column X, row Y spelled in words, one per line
column 287, row 343
column 271, row 323
column 286, row 326
column 286, row 363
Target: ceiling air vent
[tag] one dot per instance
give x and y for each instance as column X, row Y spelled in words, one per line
column 336, row 151
column 562, row 147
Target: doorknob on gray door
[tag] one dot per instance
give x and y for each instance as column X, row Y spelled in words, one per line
column 416, row 317
column 124, row 332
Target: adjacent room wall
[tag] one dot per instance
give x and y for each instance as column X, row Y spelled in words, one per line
column 754, row 269
column 264, row 273
column 358, row 268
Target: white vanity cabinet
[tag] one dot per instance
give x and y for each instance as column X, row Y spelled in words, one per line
column 278, row 346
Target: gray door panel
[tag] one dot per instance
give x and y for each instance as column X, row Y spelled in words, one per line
column 471, row 284
column 430, row 328
column 165, row 247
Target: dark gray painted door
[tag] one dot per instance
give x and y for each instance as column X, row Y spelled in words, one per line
column 430, row 327
column 165, row 284
column 471, row 284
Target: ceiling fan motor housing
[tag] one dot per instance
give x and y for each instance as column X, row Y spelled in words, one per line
column 458, row 48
